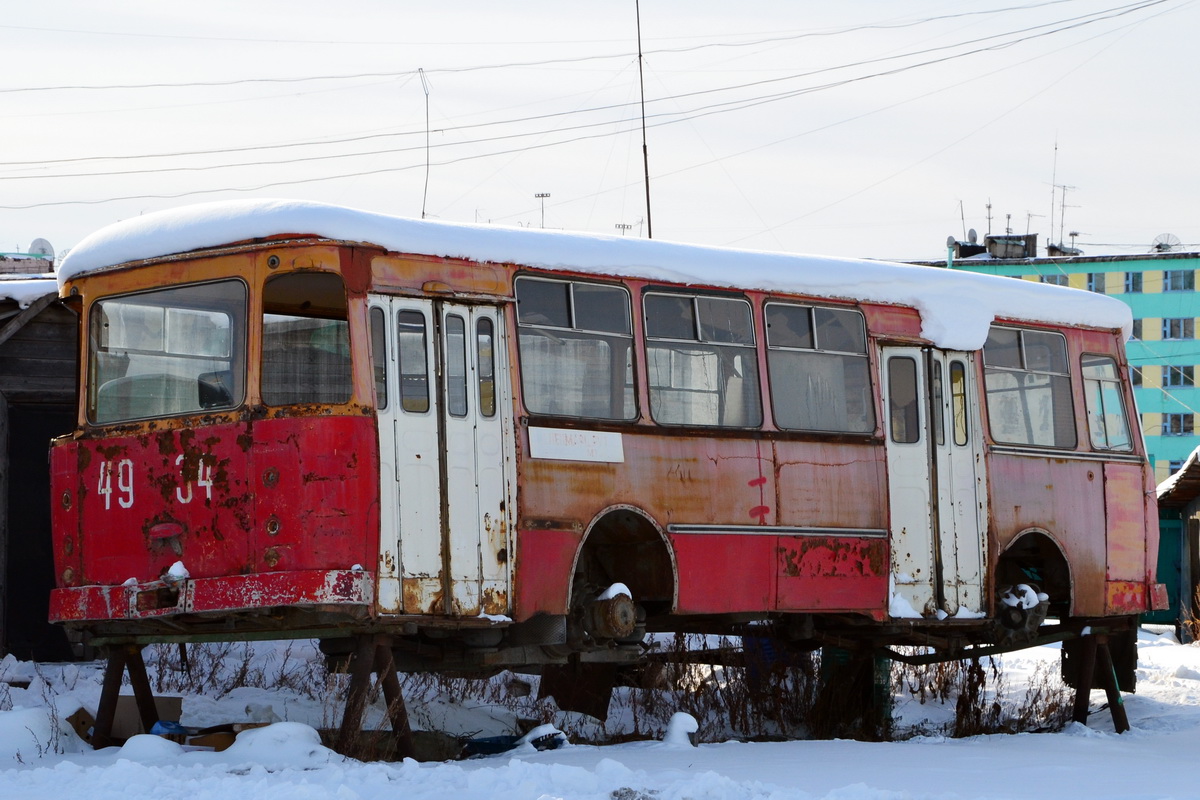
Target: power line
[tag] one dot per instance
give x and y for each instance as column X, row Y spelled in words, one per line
column 521, row 64
column 738, row 104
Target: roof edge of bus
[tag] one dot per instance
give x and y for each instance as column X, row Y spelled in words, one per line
column 259, row 243
column 956, row 307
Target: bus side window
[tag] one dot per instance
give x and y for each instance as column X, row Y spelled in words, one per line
column 1028, row 386
column 701, row 361
column 575, row 344
column 1107, row 423
column 306, row 340
column 819, row 372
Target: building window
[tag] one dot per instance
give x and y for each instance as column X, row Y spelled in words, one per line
column 1135, row 375
column 1179, row 328
column 1137, row 329
column 1178, row 376
column 1179, row 280
column 1133, row 282
column 1028, row 387
column 1174, row 465
column 1177, row 425
column 1054, row 280
column 1095, row 282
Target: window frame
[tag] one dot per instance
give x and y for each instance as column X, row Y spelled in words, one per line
column 650, row 342
column 1187, row 326
column 1179, row 280
column 1115, row 390
column 989, row 393
column 816, row 348
column 238, row 346
column 523, row 365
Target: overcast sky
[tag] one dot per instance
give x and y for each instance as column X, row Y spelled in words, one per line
column 859, row 128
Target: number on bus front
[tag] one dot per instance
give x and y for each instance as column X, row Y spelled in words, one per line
column 124, row 490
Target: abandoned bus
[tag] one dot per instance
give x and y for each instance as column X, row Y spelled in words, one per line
column 518, row 447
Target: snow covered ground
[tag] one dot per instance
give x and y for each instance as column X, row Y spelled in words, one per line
column 40, row 757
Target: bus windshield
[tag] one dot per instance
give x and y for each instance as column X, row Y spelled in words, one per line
column 167, row 352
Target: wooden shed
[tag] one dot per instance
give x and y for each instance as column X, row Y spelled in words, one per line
column 1179, row 547
column 38, row 384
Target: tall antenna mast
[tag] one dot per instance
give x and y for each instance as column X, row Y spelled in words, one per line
column 1054, row 188
column 425, row 86
column 642, row 84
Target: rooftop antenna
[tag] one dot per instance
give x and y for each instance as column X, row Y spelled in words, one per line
column 1163, row 243
column 1063, row 213
column 963, row 215
column 1054, row 187
column 989, row 216
column 425, row 86
column 642, row 84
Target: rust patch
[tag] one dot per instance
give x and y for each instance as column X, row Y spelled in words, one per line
column 494, row 602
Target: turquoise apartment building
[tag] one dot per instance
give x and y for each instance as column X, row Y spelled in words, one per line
column 1164, row 353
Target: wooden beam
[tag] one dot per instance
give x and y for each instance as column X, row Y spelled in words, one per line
column 18, row 322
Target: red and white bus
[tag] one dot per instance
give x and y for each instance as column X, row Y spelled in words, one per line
column 515, row 447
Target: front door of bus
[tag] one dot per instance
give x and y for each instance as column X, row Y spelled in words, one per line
column 445, row 451
column 936, row 483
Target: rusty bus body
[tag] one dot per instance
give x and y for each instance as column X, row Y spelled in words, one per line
column 302, row 432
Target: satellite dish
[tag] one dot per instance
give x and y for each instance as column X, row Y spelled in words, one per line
column 1164, row 242
column 972, row 236
column 951, row 241
column 41, row 247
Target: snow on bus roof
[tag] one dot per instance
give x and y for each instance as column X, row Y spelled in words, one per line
column 956, row 307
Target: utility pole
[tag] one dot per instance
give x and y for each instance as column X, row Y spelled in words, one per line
column 622, row 227
column 645, row 152
column 542, row 196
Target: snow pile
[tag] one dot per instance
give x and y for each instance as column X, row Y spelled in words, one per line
column 956, row 307
column 41, row 759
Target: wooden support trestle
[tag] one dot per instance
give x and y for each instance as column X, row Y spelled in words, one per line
column 1097, row 661
column 123, row 658
column 374, row 654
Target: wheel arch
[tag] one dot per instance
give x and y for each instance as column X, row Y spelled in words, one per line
column 1036, row 556
column 623, row 543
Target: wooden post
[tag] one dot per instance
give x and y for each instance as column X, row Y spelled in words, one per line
column 109, row 692
column 143, row 695
column 1083, row 689
column 1108, row 677
column 361, row 662
column 385, row 668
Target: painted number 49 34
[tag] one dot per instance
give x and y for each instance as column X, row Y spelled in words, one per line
column 121, row 486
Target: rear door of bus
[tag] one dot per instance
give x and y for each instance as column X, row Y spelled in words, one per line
column 446, row 453
column 937, row 488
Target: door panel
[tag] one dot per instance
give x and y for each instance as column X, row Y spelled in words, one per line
column 936, row 487
column 448, row 458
